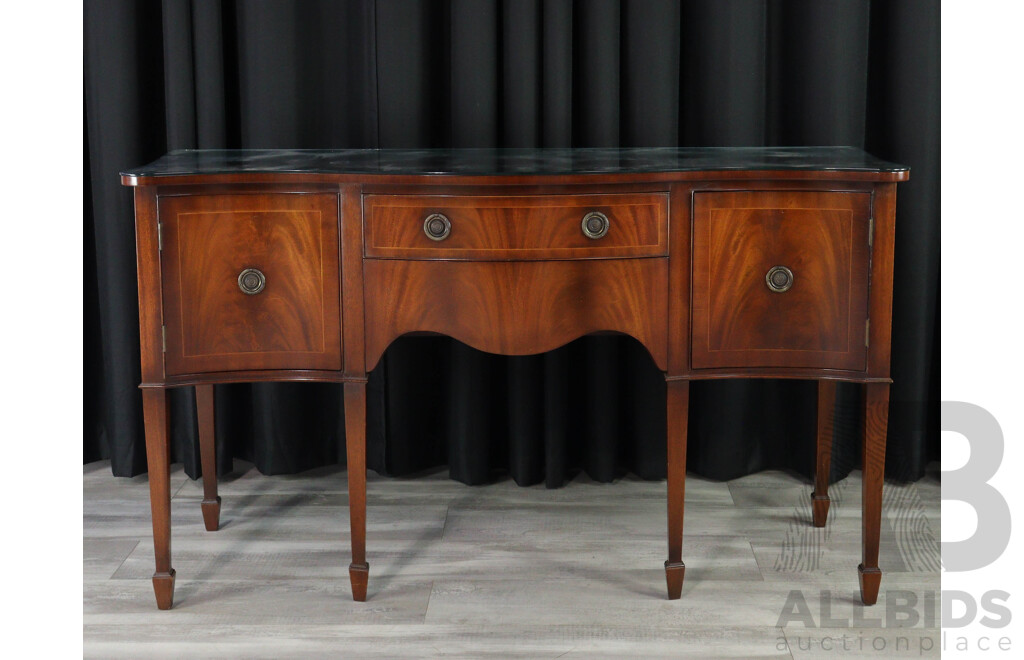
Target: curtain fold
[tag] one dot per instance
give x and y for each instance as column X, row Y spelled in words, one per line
column 482, row 73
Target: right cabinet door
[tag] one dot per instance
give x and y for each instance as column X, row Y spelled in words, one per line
column 780, row 279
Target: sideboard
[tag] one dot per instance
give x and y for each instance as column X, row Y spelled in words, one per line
column 285, row 265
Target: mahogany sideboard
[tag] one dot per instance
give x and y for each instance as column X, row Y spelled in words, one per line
column 282, row 265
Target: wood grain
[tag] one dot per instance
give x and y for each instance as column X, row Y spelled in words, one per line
column 875, row 418
column 355, row 450
column 211, row 324
column 207, row 419
column 352, row 280
column 158, row 459
column 679, row 260
column 260, row 376
column 882, row 264
column 820, row 322
column 677, row 413
column 516, row 227
column 823, row 450
column 516, row 308
column 147, row 247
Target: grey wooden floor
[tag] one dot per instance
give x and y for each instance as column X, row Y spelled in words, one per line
column 503, row 571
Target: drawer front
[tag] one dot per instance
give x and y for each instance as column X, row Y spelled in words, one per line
column 780, row 279
column 516, row 228
column 250, row 282
column 517, row 307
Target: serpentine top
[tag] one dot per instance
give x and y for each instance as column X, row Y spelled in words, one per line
column 486, row 162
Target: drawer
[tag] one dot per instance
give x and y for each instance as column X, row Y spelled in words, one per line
column 250, row 282
column 516, row 228
column 780, row 279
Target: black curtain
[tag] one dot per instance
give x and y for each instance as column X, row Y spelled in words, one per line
column 405, row 73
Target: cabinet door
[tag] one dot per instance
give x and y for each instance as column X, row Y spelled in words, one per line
column 780, row 279
column 250, row 282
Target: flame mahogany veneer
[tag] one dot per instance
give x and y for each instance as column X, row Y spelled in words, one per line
column 723, row 263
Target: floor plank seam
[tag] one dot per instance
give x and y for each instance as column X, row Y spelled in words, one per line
column 760, row 570
column 444, row 523
column 426, row 608
column 127, row 555
column 789, row 648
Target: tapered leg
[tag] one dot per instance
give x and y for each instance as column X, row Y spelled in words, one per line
column 678, row 409
column 823, row 464
column 158, row 455
column 876, row 421
column 355, row 444
column 208, row 456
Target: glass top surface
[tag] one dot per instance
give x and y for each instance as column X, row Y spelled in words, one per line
column 524, row 162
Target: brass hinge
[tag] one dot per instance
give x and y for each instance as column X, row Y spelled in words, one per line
column 871, row 231
column 867, row 333
column 160, row 236
column 163, row 333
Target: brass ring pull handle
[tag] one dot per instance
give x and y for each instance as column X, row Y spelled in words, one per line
column 595, row 225
column 437, row 227
column 779, row 279
column 251, row 281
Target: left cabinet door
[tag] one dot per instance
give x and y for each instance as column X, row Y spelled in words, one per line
column 250, row 282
